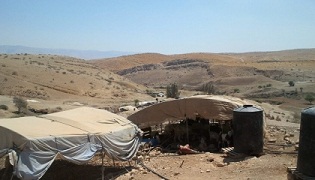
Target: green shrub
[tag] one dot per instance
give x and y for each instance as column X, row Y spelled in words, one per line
column 236, row 90
column 291, row 83
column 208, row 88
column 172, row 91
column 4, row 107
column 20, row 103
column 309, row 98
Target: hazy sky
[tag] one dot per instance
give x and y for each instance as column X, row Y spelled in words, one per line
column 163, row 26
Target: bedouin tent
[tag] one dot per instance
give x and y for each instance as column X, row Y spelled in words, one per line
column 75, row 135
column 206, row 106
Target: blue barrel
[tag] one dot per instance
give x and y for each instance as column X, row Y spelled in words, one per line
column 306, row 154
column 248, row 130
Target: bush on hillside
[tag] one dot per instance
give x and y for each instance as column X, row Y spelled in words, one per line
column 172, row 91
column 4, row 107
column 20, row 103
column 291, row 83
column 309, row 98
column 208, row 88
column 236, row 90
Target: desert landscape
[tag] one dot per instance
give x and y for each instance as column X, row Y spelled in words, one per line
column 278, row 82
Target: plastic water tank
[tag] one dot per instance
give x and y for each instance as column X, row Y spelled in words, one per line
column 248, row 129
column 306, row 154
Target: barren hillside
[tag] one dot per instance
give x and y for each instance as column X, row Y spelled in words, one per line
column 158, row 70
column 286, row 55
column 64, row 79
column 259, row 76
column 127, row 62
column 262, row 76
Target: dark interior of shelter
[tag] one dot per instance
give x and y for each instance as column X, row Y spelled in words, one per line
column 202, row 135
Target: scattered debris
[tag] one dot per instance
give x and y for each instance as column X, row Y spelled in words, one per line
column 186, row 150
column 181, row 164
column 220, row 164
column 272, row 140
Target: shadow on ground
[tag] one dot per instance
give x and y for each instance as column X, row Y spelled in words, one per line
column 64, row 170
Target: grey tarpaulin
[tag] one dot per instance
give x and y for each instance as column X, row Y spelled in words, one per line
column 74, row 135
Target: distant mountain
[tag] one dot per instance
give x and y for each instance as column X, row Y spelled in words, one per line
column 83, row 54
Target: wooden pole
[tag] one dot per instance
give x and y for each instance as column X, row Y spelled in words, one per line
column 103, row 168
column 187, row 133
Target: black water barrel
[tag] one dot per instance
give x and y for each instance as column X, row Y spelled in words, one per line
column 248, row 130
column 306, row 154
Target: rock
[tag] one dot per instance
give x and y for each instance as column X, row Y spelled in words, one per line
column 147, row 158
column 208, row 170
column 152, row 153
column 176, row 173
column 140, row 158
column 272, row 140
column 220, row 164
column 296, row 147
column 130, row 176
column 201, row 171
column 286, row 138
column 291, row 135
column 210, row 159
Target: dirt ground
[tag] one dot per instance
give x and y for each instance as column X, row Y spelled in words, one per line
column 215, row 166
column 279, row 153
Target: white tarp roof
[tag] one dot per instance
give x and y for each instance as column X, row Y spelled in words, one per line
column 207, row 106
column 76, row 135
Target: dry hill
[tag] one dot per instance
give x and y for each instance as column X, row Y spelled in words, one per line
column 191, row 71
column 262, row 76
column 64, row 80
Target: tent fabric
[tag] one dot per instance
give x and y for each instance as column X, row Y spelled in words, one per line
column 74, row 135
column 206, row 106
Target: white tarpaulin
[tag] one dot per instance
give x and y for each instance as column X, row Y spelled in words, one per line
column 206, row 106
column 76, row 135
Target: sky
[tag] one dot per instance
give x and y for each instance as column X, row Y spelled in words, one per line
column 161, row 26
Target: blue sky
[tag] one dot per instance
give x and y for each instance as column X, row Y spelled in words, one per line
column 163, row 26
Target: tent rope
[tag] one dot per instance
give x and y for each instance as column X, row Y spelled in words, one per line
column 141, row 163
